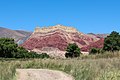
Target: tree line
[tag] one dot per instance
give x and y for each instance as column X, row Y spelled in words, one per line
column 9, row 49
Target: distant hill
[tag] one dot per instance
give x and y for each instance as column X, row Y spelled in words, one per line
column 99, row 35
column 26, row 33
column 19, row 35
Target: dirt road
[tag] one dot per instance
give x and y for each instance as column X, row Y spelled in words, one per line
column 41, row 74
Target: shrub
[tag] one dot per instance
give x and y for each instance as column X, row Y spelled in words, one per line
column 93, row 51
column 96, row 50
column 44, row 55
column 72, row 51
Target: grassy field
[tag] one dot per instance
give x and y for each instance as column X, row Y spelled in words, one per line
column 84, row 68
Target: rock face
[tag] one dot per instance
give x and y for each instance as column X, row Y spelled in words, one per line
column 57, row 38
column 97, row 44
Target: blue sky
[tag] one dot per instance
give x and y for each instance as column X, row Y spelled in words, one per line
column 97, row 16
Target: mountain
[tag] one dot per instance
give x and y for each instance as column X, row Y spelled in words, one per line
column 26, row 33
column 99, row 35
column 56, row 38
column 23, row 39
column 19, row 35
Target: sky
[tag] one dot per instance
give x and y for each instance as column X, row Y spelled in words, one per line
column 96, row 16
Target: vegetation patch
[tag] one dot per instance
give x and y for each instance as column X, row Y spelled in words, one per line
column 9, row 49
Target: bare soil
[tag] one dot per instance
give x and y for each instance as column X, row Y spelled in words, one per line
column 41, row 74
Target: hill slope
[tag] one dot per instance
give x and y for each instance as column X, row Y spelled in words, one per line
column 19, row 36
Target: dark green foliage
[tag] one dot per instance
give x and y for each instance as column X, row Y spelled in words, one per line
column 72, row 51
column 44, row 55
column 112, row 42
column 94, row 51
column 9, row 49
column 21, row 53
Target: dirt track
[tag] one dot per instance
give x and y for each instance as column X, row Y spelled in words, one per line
column 41, row 74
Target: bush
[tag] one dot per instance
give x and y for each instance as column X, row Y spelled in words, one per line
column 44, row 55
column 94, row 51
column 72, row 51
column 35, row 55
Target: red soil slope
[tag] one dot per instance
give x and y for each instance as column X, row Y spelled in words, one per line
column 97, row 44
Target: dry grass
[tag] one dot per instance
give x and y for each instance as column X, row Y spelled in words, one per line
column 81, row 69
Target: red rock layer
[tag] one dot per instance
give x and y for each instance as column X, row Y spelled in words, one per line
column 97, row 44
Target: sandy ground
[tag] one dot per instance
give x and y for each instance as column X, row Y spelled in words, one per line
column 41, row 74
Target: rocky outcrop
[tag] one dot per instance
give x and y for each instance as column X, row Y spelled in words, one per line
column 54, row 28
column 57, row 37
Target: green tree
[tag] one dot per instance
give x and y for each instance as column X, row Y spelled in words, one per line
column 72, row 51
column 7, row 47
column 112, row 42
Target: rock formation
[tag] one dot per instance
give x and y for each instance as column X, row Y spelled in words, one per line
column 57, row 37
